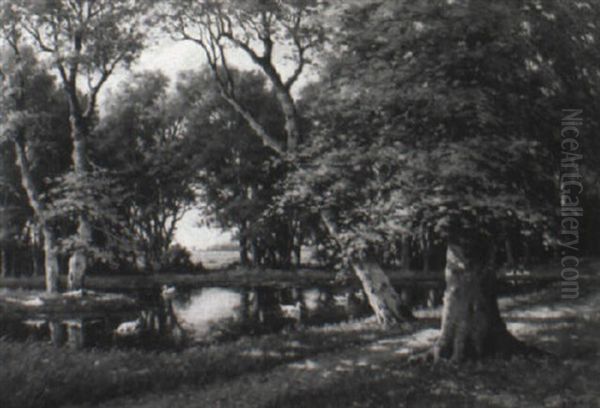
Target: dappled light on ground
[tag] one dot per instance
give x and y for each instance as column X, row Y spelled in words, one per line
column 378, row 373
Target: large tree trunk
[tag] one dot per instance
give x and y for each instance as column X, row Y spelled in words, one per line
column 50, row 244
column 471, row 323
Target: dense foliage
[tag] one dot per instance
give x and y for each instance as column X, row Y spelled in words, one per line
column 426, row 119
column 33, row 112
column 443, row 117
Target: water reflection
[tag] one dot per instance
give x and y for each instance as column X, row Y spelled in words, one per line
column 170, row 318
column 210, row 313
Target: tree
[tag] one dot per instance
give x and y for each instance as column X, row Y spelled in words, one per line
column 31, row 108
column 442, row 116
column 14, row 211
column 239, row 178
column 86, row 41
column 258, row 29
column 142, row 140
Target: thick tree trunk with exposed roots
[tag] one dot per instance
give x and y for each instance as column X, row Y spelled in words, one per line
column 472, row 327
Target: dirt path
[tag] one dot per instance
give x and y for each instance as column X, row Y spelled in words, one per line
column 378, row 374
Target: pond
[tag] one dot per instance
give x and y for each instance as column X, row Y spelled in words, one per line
column 175, row 318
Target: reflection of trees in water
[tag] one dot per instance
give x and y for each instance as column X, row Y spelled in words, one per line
column 260, row 310
column 155, row 325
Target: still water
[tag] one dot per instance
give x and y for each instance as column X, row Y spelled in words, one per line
column 203, row 316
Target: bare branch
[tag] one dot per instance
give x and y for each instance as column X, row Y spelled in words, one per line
column 35, row 34
column 95, row 89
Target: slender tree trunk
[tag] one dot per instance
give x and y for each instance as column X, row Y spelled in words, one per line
column 256, row 252
column 252, row 305
column 510, row 258
column 52, row 268
column 4, row 265
column 50, row 245
column 471, row 323
column 406, row 252
column 526, row 252
column 75, row 334
column 35, row 252
column 426, row 251
column 78, row 261
column 298, row 256
column 58, row 333
column 244, row 259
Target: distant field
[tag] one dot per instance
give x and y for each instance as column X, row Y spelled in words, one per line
column 216, row 259
column 212, row 259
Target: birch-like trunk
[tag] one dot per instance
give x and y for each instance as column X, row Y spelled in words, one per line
column 383, row 298
column 78, row 260
column 51, row 265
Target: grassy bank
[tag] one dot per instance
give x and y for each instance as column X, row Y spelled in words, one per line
column 39, row 375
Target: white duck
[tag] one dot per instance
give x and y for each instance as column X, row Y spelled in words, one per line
column 129, row 329
column 292, row 311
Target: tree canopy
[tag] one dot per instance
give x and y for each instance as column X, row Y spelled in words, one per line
column 445, row 115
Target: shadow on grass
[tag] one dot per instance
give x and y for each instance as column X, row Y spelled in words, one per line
column 40, row 375
column 567, row 380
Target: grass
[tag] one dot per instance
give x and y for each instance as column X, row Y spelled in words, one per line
column 569, row 330
column 39, row 375
column 506, row 384
column 380, row 374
